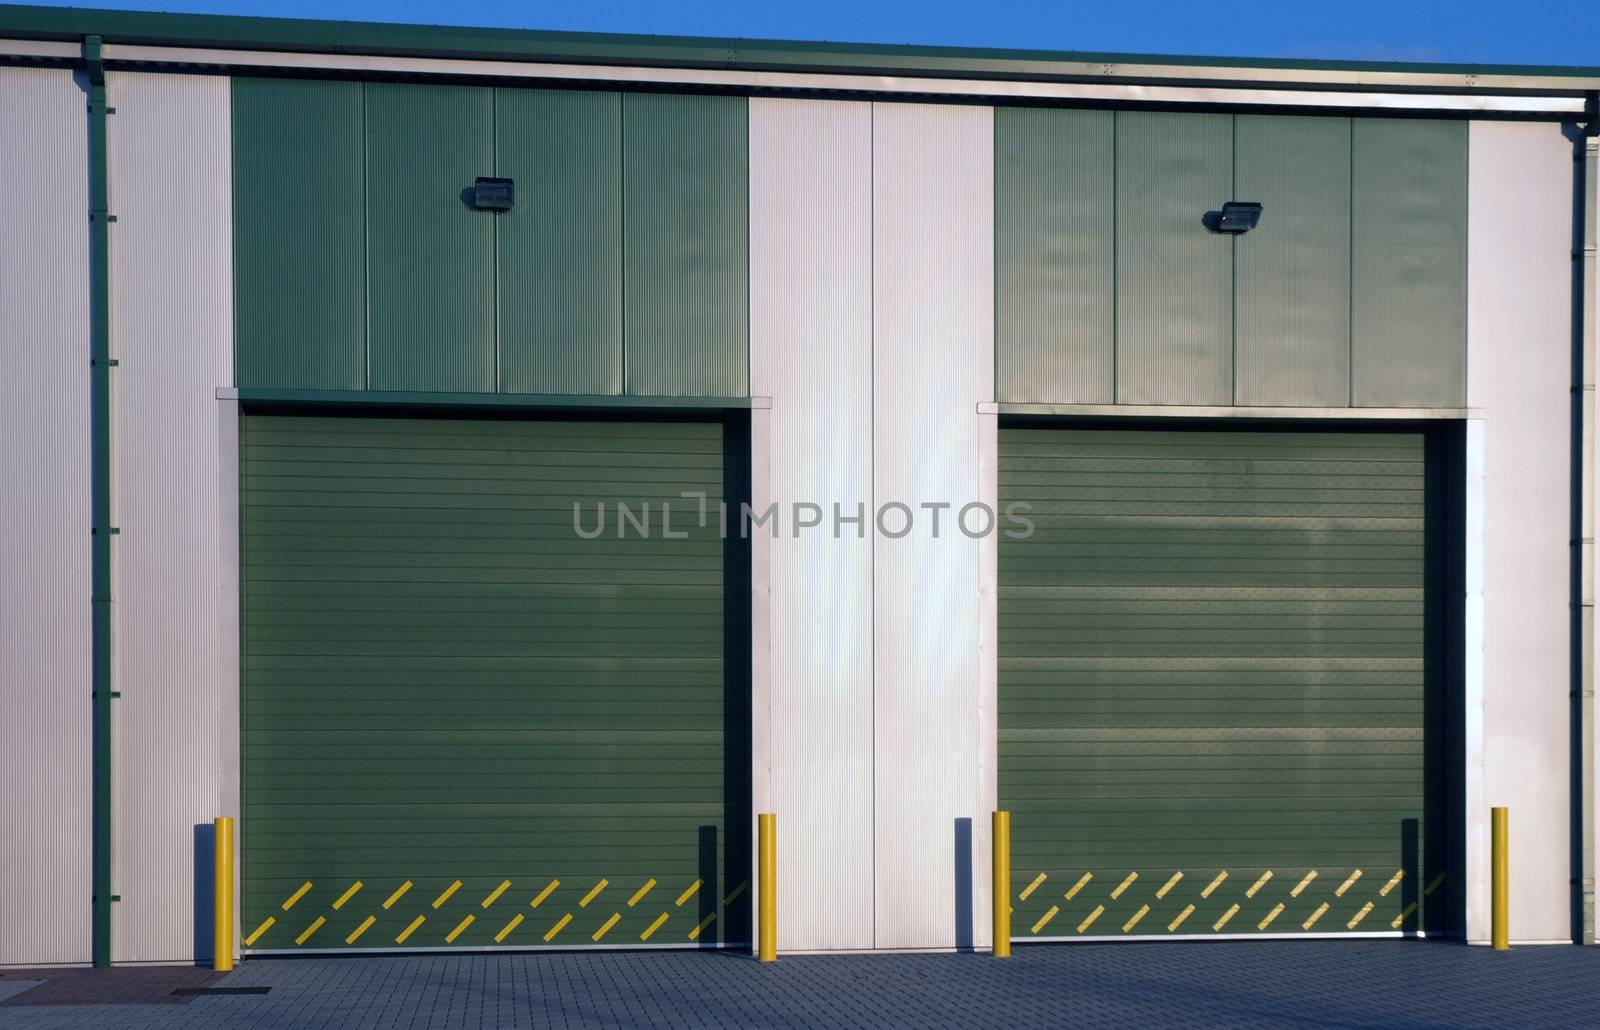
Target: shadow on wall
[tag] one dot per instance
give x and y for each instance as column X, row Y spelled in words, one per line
column 204, row 896
column 963, row 881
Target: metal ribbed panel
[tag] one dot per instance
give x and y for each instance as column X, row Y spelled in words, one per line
column 44, row 533
column 430, row 258
column 1409, row 245
column 172, row 330
column 1174, row 279
column 559, row 251
column 299, row 234
column 1054, row 228
column 1519, row 338
column 933, row 331
column 1222, row 700
column 686, row 244
column 811, row 352
column 1292, row 292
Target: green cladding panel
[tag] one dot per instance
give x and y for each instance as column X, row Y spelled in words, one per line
column 1221, row 695
column 1054, row 265
column 686, row 244
column 430, row 257
column 300, row 304
column 1292, row 342
column 560, row 249
column 1409, row 308
column 1174, row 278
column 466, row 726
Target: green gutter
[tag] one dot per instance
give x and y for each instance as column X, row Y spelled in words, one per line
column 341, row 37
column 100, row 489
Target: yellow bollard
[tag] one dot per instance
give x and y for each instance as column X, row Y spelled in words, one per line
column 767, row 931
column 1001, row 893
column 222, row 894
column 1500, row 935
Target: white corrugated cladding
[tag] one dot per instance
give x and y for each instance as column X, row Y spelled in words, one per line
column 44, row 530
column 811, row 352
column 933, row 363
column 176, row 729
column 1519, row 376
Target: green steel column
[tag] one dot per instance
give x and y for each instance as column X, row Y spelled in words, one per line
column 100, row 364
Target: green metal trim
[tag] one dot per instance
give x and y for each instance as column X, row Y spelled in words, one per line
column 100, row 364
column 386, row 39
column 492, row 401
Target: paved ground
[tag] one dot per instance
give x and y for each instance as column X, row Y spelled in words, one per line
column 1266, row 984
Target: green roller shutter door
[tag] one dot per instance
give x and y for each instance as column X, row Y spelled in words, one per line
column 464, row 725
column 1220, row 705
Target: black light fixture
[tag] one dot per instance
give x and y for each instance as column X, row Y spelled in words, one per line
column 490, row 194
column 1238, row 217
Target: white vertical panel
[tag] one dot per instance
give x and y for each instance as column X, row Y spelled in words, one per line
column 1519, row 337
column 811, row 352
column 45, row 801
column 176, row 744
column 933, row 363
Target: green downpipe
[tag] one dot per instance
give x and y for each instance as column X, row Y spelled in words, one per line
column 100, row 489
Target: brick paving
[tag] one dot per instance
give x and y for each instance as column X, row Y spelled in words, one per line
column 1276, row 984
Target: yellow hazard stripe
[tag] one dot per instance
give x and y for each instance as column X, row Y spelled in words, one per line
column 441, row 899
column 1339, row 891
column 1233, row 910
column 1251, row 892
column 1277, row 910
column 688, row 893
column 366, row 924
column 316, row 924
column 505, row 885
column 408, row 931
column 563, row 921
column 1401, row 918
column 1166, row 887
column 694, row 934
column 639, row 894
column 1383, row 892
column 1294, row 892
column 1214, row 884
column 607, row 925
column 1054, row 910
column 1430, row 888
column 505, row 931
column 549, row 889
column 1144, row 910
column 1311, row 921
column 735, row 892
column 450, row 938
column 1188, row 910
column 1359, row 915
column 347, row 895
column 297, row 895
column 653, row 927
column 593, row 893
column 399, row 893
column 263, row 928
column 1089, row 921
column 1085, row 878
column 1030, row 888
column 1117, row 891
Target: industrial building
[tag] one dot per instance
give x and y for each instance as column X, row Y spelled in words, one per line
column 493, row 466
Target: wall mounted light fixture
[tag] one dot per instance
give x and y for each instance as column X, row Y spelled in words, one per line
column 489, row 194
column 1238, row 217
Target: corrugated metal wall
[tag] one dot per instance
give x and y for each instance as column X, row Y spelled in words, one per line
column 44, row 526
column 1520, row 334
column 933, row 354
column 811, row 352
column 623, row 267
column 176, row 725
column 1098, row 213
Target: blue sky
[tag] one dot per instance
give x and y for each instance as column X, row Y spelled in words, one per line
column 1479, row 31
